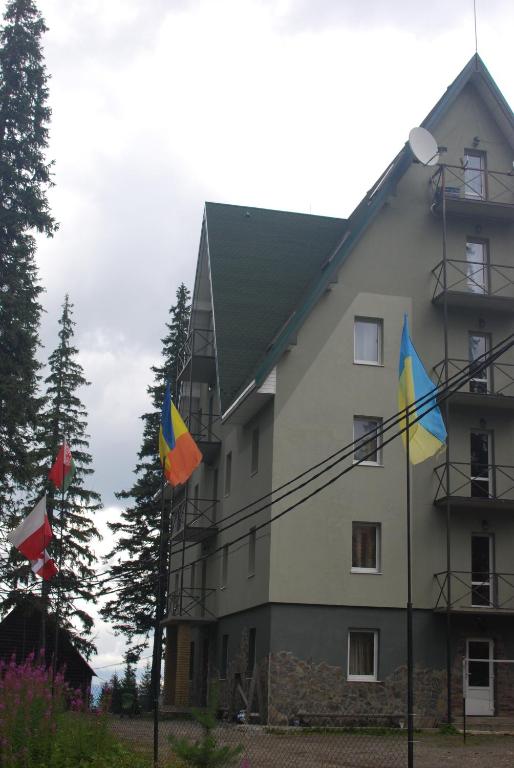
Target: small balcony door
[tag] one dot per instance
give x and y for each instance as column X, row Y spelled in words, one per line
column 474, row 175
column 477, row 266
column 479, row 682
column 479, row 345
column 481, row 476
column 482, row 570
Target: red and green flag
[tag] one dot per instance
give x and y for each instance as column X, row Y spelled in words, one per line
column 63, row 469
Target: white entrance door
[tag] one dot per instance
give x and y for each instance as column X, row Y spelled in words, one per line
column 479, row 683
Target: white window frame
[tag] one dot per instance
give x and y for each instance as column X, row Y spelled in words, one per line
column 364, row 678
column 378, row 547
column 368, row 462
column 378, row 321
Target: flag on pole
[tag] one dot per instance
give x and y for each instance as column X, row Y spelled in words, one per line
column 428, row 435
column 34, row 533
column 63, row 469
column 179, row 453
column 44, row 566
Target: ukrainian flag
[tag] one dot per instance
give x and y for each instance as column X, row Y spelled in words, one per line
column 428, row 435
column 179, row 453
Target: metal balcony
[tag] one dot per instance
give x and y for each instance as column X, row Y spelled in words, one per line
column 475, row 486
column 492, row 387
column 196, row 360
column 474, row 285
column 474, row 592
column 193, row 519
column 203, row 428
column 191, row 605
column 475, row 193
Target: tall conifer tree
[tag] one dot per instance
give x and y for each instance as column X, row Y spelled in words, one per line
column 24, row 181
column 136, row 554
column 63, row 416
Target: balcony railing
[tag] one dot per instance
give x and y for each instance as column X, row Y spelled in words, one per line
column 205, row 429
column 472, row 191
column 194, row 518
column 496, row 380
column 473, row 484
column 191, row 603
column 473, row 591
column 196, row 358
column 472, row 282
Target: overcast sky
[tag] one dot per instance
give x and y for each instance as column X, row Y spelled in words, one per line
column 159, row 105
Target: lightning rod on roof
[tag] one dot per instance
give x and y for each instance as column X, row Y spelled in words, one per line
column 424, row 146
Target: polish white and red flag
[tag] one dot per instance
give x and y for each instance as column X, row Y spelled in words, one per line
column 34, row 533
column 44, row 566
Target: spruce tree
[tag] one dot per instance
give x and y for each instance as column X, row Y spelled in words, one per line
column 63, row 416
column 136, row 554
column 24, row 181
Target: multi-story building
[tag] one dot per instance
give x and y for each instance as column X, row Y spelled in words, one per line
column 293, row 354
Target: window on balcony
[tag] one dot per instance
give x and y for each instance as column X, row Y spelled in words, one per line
column 477, row 266
column 367, row 341
column 481, row 567
column 193, row 576
column 475, row 174
column 479, row 345
column 365, row 547
column 362, row 654
column 481, row 478
column 368, row 442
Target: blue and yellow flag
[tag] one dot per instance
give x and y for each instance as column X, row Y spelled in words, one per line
column 179, row 453
column 428, row 435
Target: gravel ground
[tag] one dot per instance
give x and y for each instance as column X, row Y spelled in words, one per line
column 331, row 750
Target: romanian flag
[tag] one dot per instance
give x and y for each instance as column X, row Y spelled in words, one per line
column 63, row 469
column 178, row 451
column 428, row 435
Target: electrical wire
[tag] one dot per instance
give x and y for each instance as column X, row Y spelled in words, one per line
column 441, row 394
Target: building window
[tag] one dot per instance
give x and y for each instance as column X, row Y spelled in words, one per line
column 362, row 654
column 191, row 661
column 481, row 468
column 366, row 547
column 477, row 265
column 474, row 174
column 251, row 552
column 366, row 434
column 250, row 665
column 193, row 576
column 254, row 464
column 367, row 341
column 224, row 657
column 224, row 566
column 479, row 345
column 228, row 473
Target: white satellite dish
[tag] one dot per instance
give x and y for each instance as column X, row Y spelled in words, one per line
column 424, row 146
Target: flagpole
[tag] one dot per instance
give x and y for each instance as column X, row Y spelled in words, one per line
column 410, row 686
column 157, row 638
column 59, row 577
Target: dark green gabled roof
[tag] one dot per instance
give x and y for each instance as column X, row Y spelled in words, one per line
column 262, row 264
